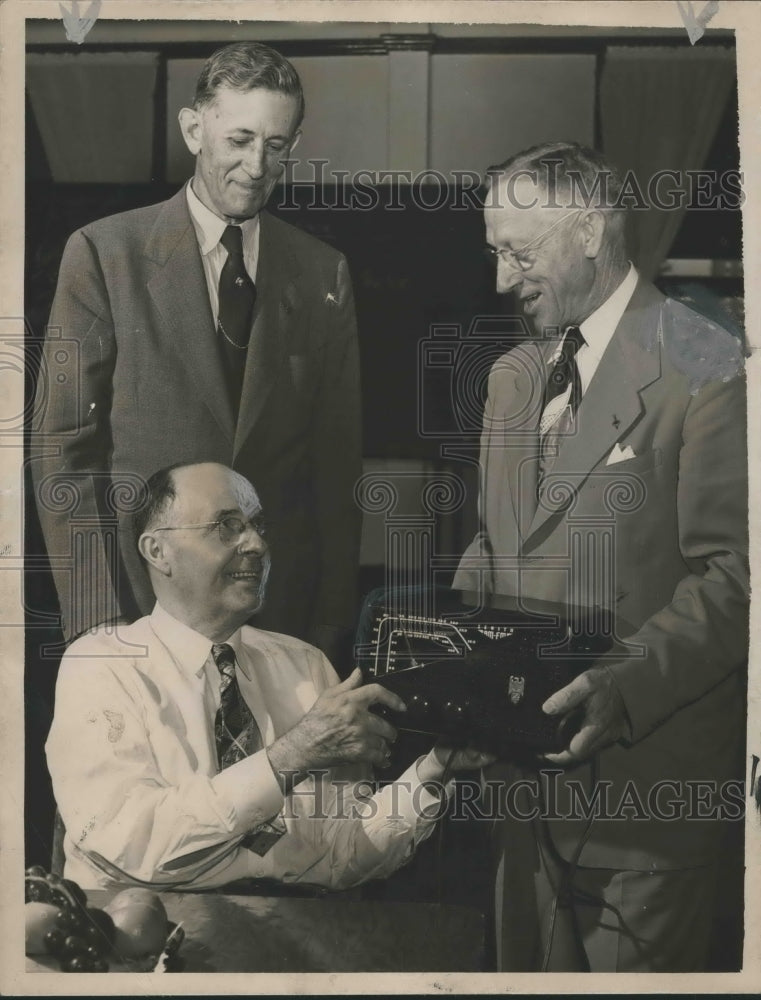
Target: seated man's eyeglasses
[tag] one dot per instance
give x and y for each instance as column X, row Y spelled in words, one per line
column 231, row 529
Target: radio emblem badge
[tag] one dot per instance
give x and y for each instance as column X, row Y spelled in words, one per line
column 515, row 688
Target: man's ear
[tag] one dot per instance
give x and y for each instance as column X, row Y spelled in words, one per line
column 190, row 126
column 151, row 548
column 593, row 227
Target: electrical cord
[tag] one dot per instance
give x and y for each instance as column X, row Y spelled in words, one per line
column 589, row 899
column 565, row 890
column 568, row 893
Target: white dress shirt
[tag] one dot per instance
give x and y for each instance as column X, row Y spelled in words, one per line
column 132, row 755
column 597, row 330
column 209, row 228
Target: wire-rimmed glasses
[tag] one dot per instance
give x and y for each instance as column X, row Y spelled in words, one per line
column 520, row 258
column 231, row 528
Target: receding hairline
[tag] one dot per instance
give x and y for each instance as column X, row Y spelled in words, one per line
column 240, row 483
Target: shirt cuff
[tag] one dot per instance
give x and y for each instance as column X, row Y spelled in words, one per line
column 414, row 802
column 251, row 789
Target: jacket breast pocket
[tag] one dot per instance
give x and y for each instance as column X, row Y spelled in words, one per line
column 645, row 462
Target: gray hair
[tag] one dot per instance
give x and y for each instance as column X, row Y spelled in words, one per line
column 244, row 66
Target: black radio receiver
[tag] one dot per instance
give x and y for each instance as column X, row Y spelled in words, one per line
column 478, row 673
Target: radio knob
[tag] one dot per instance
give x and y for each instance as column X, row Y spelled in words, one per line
column 455, row 712
column 419, row 706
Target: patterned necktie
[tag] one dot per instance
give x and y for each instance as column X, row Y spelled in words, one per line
column 235, row 729
column 560, row 405
column 566, row 371
column 237, row 296
column 238, row 736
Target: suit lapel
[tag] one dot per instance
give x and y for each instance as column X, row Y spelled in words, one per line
column 611, row 403
column 178, row 289
column 276, row 300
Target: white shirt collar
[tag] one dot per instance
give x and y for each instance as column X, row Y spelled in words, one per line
column 209, row 227
column 189, row 648
column 598, row 328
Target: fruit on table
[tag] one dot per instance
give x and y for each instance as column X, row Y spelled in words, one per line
column 81, row 938
column 39, row 918
column 99, row 930
column 140, row 920
column 58, row 922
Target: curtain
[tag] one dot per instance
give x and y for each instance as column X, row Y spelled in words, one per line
column 94, row 111
column 660, row 109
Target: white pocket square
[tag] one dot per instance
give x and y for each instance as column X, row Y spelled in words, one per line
column 619, row 454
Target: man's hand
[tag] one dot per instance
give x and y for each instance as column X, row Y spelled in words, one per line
column 338, row 729
column 432, row 767
column 602, row 714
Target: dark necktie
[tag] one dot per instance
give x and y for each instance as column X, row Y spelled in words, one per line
column 557, row 423
column 237, row 736
column 566, row 371
column 237, row 295
column 235, row 729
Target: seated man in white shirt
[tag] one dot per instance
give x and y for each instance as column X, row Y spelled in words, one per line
column 169, row 773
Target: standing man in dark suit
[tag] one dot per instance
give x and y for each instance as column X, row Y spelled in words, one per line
column 614, row 474
column 204, row 329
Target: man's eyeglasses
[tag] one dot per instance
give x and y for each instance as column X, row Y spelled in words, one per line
column 231, row 528
column 523, row 257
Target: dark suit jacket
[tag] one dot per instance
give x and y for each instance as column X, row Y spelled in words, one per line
column 660, row 536
column 132, row 381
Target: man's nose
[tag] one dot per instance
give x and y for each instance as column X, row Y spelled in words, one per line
column 252, row 541
column 508, row 275
column 255, row 160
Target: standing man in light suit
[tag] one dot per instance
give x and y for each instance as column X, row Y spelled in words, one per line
column 622, row 420
column 205, row 329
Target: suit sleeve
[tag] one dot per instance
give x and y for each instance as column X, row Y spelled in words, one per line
column 337, row 451
column 701, row 636
column 72, row 439
column 476, row 569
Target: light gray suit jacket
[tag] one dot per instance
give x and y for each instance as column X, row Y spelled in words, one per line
column 660, row 537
